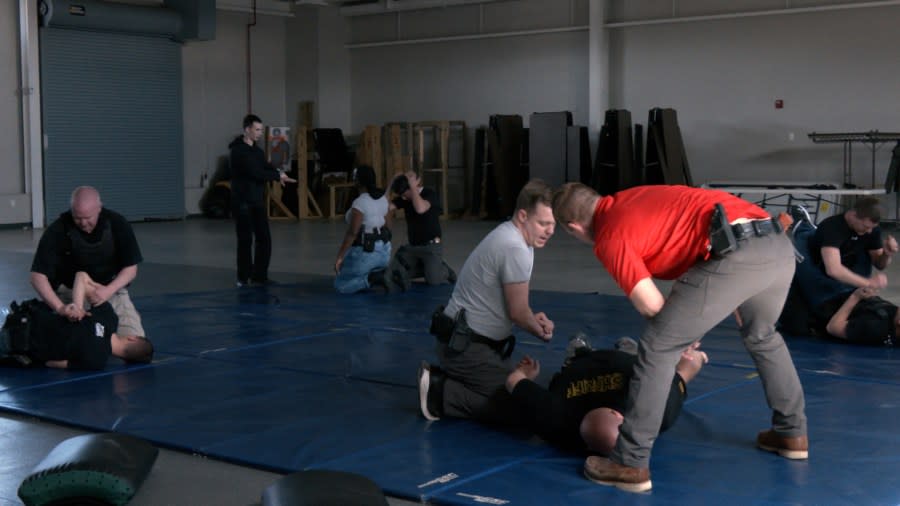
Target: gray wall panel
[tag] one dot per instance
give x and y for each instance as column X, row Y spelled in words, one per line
column 438, row 22
column 215, row 89
column 526, row 15
column 470, row 80
column 836, row 71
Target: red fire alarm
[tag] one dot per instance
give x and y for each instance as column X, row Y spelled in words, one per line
column 779, row 104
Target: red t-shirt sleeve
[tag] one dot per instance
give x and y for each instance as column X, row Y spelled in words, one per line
column 622, row 262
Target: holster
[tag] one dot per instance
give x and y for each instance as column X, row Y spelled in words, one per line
column 457, row 334
column 454, row 332
column 721, row 236
column 18, row 325
column 367, row 241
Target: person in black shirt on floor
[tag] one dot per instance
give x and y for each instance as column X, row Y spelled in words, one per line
column 249, row 174
column 582, row 408
column 860, row 317
column 423, row 256
column 35, row 334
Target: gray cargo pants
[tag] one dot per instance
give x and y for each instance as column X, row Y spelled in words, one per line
column 754, row 279
column 475, row 384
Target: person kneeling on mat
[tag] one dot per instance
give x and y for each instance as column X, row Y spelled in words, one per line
column 366, row 248
column 582, row 408
column 33, row 334
column 423, row 256
column 474, row 330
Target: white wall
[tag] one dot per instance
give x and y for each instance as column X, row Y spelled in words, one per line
column 15, row 206
column 215, row 91
column 333, row 108
column 301, row 61
column 471, row 80
column 836, row 71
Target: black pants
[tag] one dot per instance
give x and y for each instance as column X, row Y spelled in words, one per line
column 251, row 222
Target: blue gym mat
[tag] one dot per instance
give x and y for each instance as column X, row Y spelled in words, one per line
column 296, row 377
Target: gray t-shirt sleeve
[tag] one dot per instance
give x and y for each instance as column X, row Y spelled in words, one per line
column 515, row 265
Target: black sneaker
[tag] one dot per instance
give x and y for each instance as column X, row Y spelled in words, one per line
column 431, row 391
column 242, row 283
column 800, row 214
column 261, row 282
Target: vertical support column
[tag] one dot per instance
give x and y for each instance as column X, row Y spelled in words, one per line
column 445, row 164
column 598, row 69
column 32, row 140
column 302, row 183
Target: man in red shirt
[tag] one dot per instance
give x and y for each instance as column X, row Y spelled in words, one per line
column 665, row 232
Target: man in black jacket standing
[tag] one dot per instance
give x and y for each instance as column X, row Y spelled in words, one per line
column 249, row 174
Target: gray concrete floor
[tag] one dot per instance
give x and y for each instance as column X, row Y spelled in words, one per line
column 198, row 254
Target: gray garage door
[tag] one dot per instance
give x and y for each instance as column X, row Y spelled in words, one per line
column 112, row 119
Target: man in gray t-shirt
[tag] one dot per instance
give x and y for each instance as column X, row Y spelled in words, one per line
column 474, row 329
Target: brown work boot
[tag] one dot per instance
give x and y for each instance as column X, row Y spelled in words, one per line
column 796, row 448
column 606, row 472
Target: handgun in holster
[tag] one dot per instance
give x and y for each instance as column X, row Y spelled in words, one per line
column 455, row 332
column 721, row 235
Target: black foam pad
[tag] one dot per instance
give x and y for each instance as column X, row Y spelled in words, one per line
column 324, row 488
column 90, row 469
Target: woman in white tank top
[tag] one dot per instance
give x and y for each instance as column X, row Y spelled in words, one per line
column 366, row 248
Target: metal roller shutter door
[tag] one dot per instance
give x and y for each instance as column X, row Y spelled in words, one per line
column 112, row 116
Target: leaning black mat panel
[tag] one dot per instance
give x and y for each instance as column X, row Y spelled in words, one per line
column 613, row 168
column 505, row 140
column 578, row 155
column 547, row 146
column 324, row 488
column 102, row 468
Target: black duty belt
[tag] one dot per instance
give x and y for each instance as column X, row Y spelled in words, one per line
column 436, row 240
column 503, row 347
column 755, row 228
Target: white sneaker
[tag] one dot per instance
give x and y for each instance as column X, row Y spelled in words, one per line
column 424, row 381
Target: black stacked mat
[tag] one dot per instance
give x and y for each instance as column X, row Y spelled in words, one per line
column 666, row 160
column 614, row 165
column 508, row 170
column 548, row 146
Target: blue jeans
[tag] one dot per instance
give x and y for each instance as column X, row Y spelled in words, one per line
column 357, row 266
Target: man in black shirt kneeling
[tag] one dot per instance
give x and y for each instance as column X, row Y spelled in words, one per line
column 423, row 256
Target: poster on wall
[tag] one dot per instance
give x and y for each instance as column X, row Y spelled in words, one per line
column 278, row 147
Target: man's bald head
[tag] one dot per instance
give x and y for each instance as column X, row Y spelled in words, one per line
column 86, row 206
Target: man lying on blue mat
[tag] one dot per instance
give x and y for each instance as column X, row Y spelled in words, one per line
column 860, row 317
column 34, row 334
column 582, row 409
